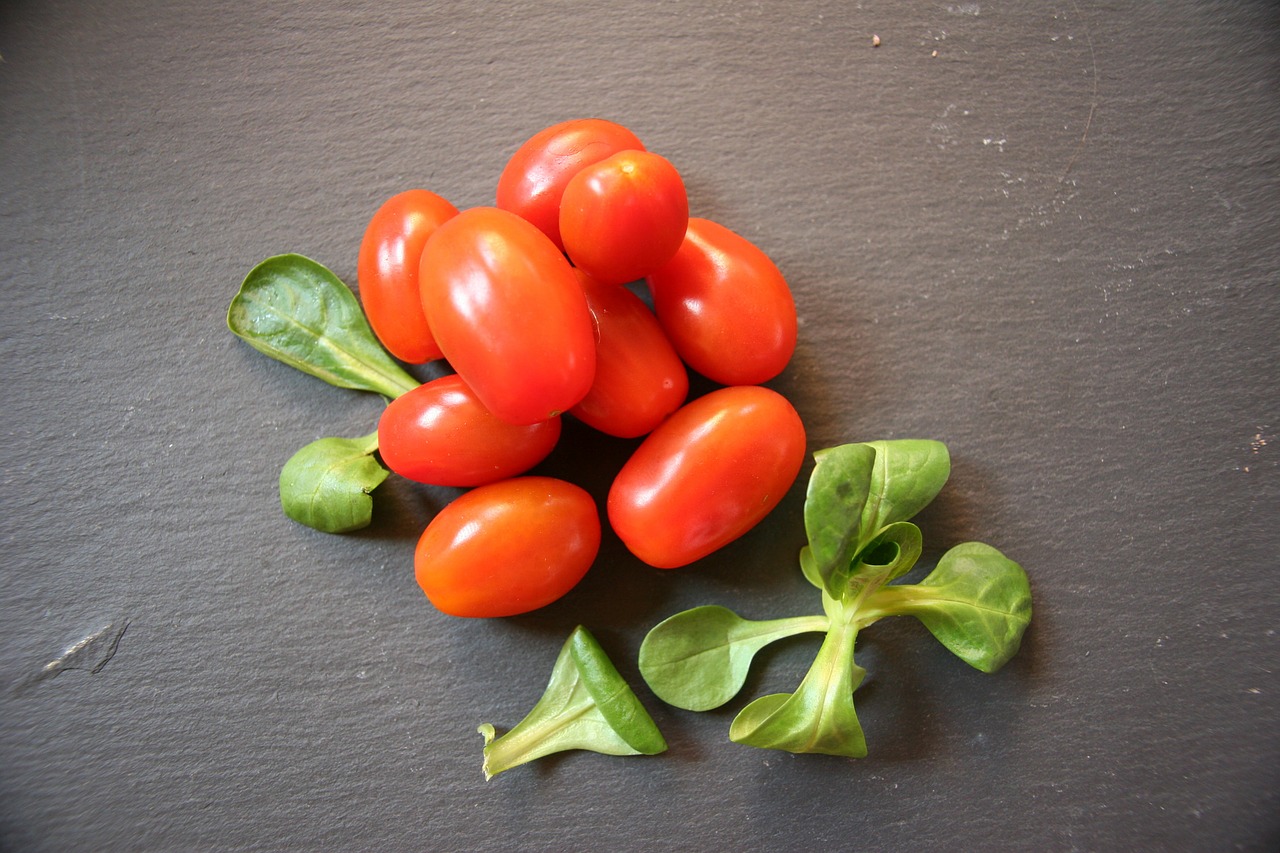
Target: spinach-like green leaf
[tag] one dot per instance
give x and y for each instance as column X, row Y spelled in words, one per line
column 819, row 716
column 298, row 312
column 890, row 555
column 698, row 659
column 977, row 602
column 907, row 475
column 809, row 568
column 587, row 705
column 326, row 484
column 833, row 509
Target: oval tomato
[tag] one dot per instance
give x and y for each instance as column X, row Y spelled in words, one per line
column 624, row 217
column 387, row 272
column 710, row 473
column 725, row 306
column 640, row 379
column 507, row 311
column 533, row 180
column 440, row 433
column 508, row 547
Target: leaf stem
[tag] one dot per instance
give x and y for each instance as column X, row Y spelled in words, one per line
column 533, row 737
column 835, row 667
column 369, row 443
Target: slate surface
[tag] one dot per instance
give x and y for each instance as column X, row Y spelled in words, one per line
column 1053, row 245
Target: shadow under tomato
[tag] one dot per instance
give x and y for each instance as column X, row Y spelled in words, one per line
column 402, row 509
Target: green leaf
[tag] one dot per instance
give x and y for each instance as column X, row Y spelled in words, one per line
column 977, row 602
column 326, row 485
column 833, row 508
column 809, row 568
column 298, row 312
column 587, row 705
column 890, row 555
column 699, row 659
column 819, row 716
column 907, row 475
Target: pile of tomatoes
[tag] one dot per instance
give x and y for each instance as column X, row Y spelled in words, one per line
column 528, row 301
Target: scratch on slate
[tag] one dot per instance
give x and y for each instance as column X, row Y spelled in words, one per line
column 91, row 653
column 1093, row 101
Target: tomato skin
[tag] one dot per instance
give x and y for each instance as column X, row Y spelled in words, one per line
column 508, row 547
column 387, row 272
column 725, row 306
column 534, row 178
column 707, row 475
column 507, row 311
column 640, row 379
column 624, row 217
column 440, row 433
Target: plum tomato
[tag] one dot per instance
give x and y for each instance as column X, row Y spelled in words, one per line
column 623, row 217
column 640, row 379
column 508, row 547
column 534, row 178
column 387, row 272
column 509, row 315
column 707, row 475
column 440, row 433
column 725, row 306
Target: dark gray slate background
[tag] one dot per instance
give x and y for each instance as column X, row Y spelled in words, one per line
column 1055, row 246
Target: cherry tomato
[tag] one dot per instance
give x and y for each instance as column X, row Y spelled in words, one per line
column 508, row 547
column 387, row 272
column 725, row 306
column 624, row 217
column 534, row 178
column 707, row 475
column 440, row 433
column 507, row 311
column 639, row 378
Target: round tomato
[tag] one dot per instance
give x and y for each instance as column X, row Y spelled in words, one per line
column 440, row 433
column 535, row 176
column 387, row 271
column 623, row 217
column 507, row 311
column 639, row 378
column 508, row 547
column 707, row 475
column 725, row 306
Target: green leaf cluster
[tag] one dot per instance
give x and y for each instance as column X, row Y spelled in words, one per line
column 297, row 311
column 860, row 498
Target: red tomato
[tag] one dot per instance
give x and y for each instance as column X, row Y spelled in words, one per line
column 440, row 433
column 624, row 217
column 639, row 378
column 387, row 271
column 507, row 311
column 725, row 306
column 508, row 547
column 534, row 178
column 709, row 474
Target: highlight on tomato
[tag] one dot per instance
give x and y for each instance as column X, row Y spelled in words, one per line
column 387, row 272
column 508, row 313
column 623, row 217
column 534, row 179
column 440, row 433
column 707, row 475
column 640, row 379
column 508, row 548
column 725, row 306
